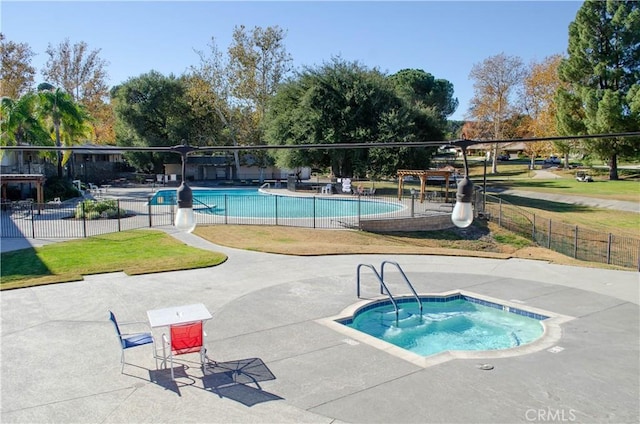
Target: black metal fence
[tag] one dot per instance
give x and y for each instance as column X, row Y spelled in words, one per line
column 31, row 220
column 571, row 240
column 50, row 221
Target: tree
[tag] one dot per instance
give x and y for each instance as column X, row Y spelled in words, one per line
column 538, row 97
column 495, row 80
column 83, row 75
column 19, row 123
column 240, row 85
column 602, row 70
column 258, row 63
column 214, row 87
column 342, row 102
column 156, row 110
column 16, row 73
column 67, row 118
column 423, row 90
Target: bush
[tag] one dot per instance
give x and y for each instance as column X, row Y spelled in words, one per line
column 59, row 187
column 106, row 209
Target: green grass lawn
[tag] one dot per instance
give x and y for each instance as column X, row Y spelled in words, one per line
column 134, row 252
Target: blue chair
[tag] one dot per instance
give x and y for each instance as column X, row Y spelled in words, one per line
column 128, row 341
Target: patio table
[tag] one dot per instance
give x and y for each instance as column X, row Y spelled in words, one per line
column 178, row 315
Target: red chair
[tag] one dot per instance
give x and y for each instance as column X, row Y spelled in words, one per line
column 183, row 339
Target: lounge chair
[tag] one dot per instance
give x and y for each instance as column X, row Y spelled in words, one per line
column 346, row 186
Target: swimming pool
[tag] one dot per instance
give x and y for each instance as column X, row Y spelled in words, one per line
column 251, row 203
column 448, row 323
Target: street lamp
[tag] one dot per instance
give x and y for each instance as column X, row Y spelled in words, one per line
column 462, row 215
column 185, row 218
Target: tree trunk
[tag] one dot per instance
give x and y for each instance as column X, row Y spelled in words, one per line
column 494, row 159
column 58, row 144
column 613, row 167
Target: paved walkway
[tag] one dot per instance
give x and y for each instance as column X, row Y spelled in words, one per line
column 60, row 358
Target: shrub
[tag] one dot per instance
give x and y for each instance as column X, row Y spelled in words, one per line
column 106, row 209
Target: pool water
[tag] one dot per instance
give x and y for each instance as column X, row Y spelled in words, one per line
column 447, row 325
column 251, row 203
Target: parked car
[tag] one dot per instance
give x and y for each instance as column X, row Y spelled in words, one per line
column 504, row 157
column 552, row 160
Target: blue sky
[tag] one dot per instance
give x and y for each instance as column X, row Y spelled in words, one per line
column 443, row 38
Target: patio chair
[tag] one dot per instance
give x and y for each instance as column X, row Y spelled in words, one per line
column 346, row 186
column 129, row 340
column 183, row 339
column 328, row 189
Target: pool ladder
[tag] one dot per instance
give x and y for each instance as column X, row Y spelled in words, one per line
column 383, row 286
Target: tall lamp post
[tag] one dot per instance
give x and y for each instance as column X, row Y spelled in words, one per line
column 185, row 218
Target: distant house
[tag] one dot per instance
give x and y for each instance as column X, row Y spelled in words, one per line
column 513, row 148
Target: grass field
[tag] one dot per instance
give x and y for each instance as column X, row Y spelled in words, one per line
column 134, row 252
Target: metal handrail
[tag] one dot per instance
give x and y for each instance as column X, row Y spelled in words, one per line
column 405, row 279
column 202, row 203
column 382, row 284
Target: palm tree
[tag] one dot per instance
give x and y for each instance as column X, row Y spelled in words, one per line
column 19, row 123
column 67, row 117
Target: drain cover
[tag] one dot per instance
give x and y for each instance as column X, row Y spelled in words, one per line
column 485, row 367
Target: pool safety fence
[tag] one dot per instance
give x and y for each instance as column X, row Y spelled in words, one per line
column 67, row 220
column 74, row 219
column 570, row 240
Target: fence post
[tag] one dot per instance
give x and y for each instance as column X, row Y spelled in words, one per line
column 226, row 210
column 33, row 224
column 276, row 197
column 84, row 221
column 118, row 212
column 149, row 212
column 533, row 230
column 314, row 211
column 500, row 212
column 549, row 240
column 575, row 244
column 413, row 204
column 359, row 200
column 609, row 248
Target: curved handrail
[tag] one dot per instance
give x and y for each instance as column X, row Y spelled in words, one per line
column 266, row 185
column 202, row 203
column 382, row 284
column 405, row 279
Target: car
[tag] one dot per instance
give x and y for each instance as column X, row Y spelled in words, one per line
column 504, row 157
column 552, row 160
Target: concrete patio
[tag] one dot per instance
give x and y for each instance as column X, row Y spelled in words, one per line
column 61, row 360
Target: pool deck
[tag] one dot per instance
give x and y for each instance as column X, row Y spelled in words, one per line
column 61, row 360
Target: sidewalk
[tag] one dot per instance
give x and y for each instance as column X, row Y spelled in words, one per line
column 61, row 360
column 578, row 200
